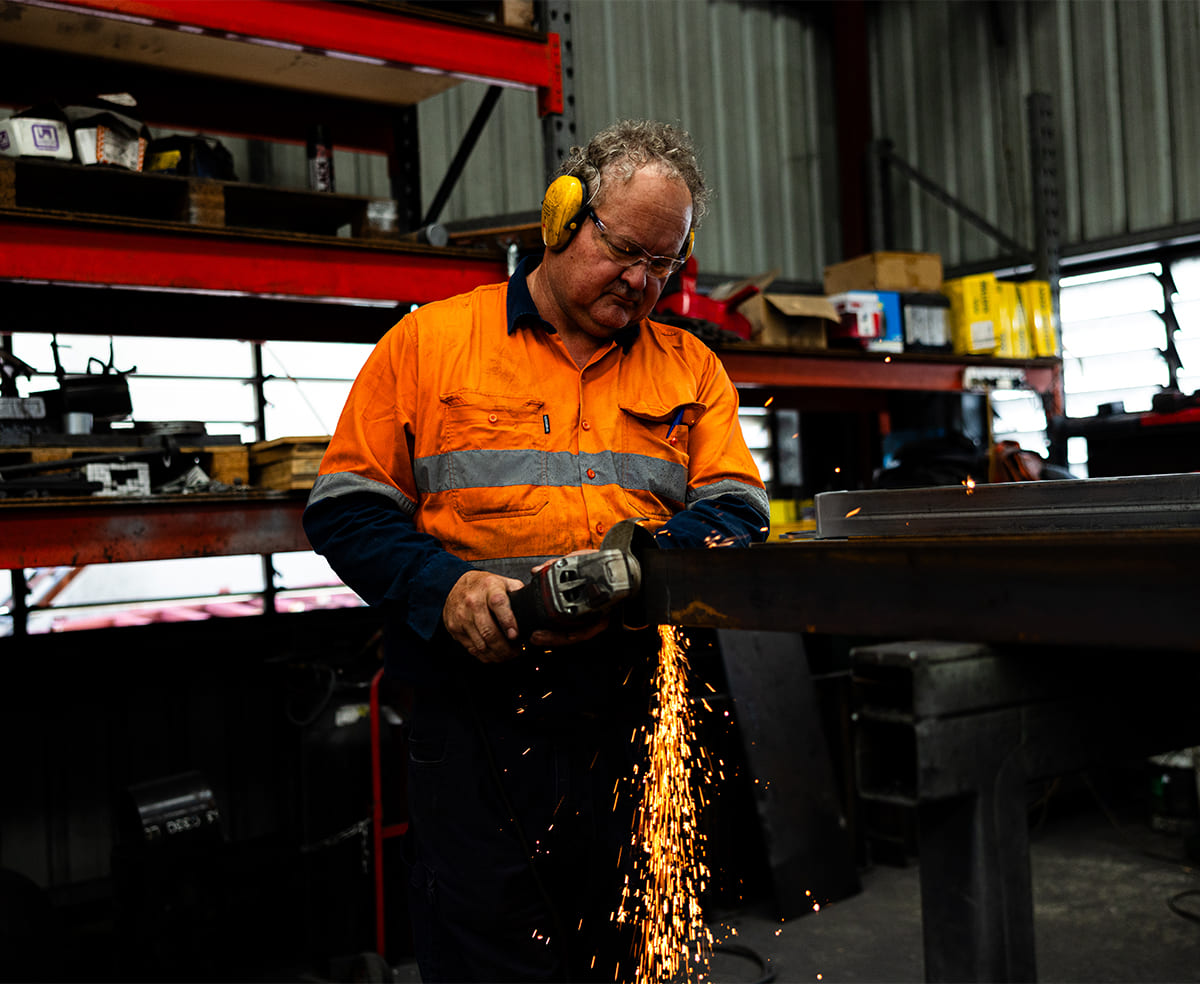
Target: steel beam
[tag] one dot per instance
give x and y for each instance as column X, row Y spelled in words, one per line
column 1097, row 505
column 461, row 49
column 137, row 254
column 1127, row 589
column 99, row 530
column 767, row 368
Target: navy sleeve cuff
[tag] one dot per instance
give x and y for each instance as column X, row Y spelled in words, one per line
column 723, row 521
column 429, row 591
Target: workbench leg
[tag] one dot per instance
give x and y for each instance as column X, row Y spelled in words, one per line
column 20, row 603
column 976, row 888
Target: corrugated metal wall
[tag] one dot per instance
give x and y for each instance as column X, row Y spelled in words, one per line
column 750, row 81
column 950, row 83
column 755, row 84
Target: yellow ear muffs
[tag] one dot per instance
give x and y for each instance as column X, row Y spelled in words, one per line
column 562, row 211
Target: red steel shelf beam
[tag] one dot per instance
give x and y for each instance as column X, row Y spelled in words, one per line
column 459, row 49
column 72, row 532
column 862, row 371
column 108, row 254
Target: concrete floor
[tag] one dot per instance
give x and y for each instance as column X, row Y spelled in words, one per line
column 1101, row 914
column 1102, row 884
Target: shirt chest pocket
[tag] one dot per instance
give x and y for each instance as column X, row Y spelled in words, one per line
column 660, row 429
column 492, row 455
column 654, row 473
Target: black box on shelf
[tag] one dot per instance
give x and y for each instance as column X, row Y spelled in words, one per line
column 926, row 319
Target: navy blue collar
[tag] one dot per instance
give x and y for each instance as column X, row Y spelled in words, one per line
column 523, row 313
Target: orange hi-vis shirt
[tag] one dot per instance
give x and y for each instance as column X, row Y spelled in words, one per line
column 496, row 443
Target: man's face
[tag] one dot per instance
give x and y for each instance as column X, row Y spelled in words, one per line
column 596, row 295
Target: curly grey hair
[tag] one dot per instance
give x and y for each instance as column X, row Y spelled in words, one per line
column 621, row 148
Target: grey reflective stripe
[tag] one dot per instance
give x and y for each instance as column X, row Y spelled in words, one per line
column 494, row 469
column 641, row 471
column 344, row 483
column 754, row 496
column 479, row 469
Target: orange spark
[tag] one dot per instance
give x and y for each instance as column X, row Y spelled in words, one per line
column 670, row 871
column 970, row 484
column 770, row 400
column 854, row 512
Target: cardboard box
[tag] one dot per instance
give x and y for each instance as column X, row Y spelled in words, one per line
column 870, row 320
column 128, row 478
column 795, row 321
column 1012, row 331
column 892, row 337
column 1039, row 315
column 860, row 316
column 926, row 319
column 886, row 271
column 25, row 136
column 107, row 132
column 973, row 314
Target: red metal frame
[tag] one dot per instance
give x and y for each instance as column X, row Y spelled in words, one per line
column 379, row 831
column 859, row 370
column 74, row 532
column 77, row 252
column 457, row 49
column 1189, row 415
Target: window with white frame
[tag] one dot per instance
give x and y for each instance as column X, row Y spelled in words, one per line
column 209, row 381
column 1113, row 337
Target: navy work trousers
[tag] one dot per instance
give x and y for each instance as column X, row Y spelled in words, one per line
column 521, row 826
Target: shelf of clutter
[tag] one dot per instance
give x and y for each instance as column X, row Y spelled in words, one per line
column 885, row 321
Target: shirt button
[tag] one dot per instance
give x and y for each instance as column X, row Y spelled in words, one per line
column 586, row 425
column 591, row 473
column 492, row 418
column 599, row 527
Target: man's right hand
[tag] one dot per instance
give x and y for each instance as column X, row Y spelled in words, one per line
column 479, row 617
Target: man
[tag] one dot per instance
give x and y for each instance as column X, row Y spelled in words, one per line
column 486, row 435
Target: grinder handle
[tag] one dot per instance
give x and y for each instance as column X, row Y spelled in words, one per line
column 529, row 606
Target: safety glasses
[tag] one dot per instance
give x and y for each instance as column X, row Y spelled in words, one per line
column 626, row 253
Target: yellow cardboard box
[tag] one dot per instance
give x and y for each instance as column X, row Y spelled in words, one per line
column 1012, row 326
column 974, row 303
column 1039, row 313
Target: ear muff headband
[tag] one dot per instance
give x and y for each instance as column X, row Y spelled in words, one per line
column 562, row 211
column 564, row 208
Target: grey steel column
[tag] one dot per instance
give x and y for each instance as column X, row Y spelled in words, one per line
column 1047, row 226
column 1047, row 205
column 559, row 131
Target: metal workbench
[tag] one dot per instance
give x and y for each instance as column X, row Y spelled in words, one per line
column 1044, row 628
